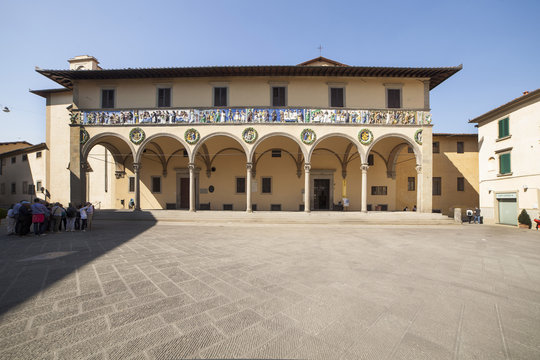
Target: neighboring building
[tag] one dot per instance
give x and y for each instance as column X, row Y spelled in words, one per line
column 455, row 174
column 509, row 149
column 9, row 146
column 23, row 174
column 313, row 136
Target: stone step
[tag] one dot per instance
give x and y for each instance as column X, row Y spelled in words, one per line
column 281, row 217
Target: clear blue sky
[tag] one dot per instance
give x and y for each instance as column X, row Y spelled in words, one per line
column 498, row 43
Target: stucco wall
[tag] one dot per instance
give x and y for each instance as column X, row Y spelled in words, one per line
column 524, row 146
column 365, row 93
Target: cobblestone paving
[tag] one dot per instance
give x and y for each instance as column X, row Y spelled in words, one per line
column 137, row 291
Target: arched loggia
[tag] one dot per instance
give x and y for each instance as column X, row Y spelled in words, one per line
column 220, row 158
column 335, row 173
column 121, row 151
column 277, row 162
column 399, row 158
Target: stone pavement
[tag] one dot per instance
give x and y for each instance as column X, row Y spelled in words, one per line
column 136, row 290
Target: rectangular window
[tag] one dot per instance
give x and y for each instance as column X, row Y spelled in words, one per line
column 13, row 160
column 460, row 184
column 164, row 97
column 276, row 153
column 278, row 96
column 437, row 186
column 25, row 157
column 436, row 147
column 220, row 96
column 504, row 131
column 13, row 188
column 460, row 147
column 411, row 183
column 25, row 187
column 38, row 186
column 266, row 185
column 394, row 98
column 131, row 184
column 38, row 154
column 379, row 190
column 2, row 189
column 337, row 97
column 156, row 184
column 107, row 98
column 371, row 160
column 240, row 185
column 505, row 164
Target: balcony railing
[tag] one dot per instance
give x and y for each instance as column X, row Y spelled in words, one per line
column 251, row 115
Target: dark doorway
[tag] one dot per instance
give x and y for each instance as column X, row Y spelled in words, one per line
column 321, row 194
column 184, row 193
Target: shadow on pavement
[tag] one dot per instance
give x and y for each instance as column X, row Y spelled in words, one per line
column 29, row 265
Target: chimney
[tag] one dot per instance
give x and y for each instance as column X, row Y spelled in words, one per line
column 84, row 62
column 525, row 92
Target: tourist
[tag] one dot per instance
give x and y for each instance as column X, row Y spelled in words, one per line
column 84, row 217
column 414, row 208
column 39, row 213
column 25, row 218
column 477, row 215
column 56, row 215
column 16, row 208
column 11, row 221
column 78, row 218
column 71, row 215
column 469, row 215
column 89, row 214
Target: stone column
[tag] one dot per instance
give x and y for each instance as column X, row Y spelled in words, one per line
column 419, row 188
column 364, row 169
column 84, row 182
column 137, row 170
column 307, row 187
column 249, row 167
column 191, row 167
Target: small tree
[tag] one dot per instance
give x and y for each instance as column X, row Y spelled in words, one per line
column 524, row 218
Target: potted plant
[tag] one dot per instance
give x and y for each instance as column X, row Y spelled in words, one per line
column 524, row 219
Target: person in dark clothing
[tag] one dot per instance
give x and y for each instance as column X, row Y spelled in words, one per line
column 25, row 218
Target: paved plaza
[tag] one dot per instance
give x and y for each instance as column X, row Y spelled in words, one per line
column 140, row 290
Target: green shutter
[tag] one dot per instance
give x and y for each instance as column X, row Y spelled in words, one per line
column 503, row 128
column 504, row 164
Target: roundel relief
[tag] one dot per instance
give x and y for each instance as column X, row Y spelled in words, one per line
column 249, row 135
column 192, row 136
column 137, row 135
column 418, row 136
column 84, row 136
column 308, row 136
column 365, row 136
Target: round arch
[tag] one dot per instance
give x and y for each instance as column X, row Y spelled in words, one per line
column 155, row 136
column 350, row 138
column 275, row 134
column 208, row 137
column 98, row 140
column 412, row 143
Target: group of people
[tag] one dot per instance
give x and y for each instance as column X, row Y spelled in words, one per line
column 474, row 215
column 46, row 217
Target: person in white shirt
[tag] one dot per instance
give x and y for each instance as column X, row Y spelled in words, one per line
column 84, row 218
column 11, row 221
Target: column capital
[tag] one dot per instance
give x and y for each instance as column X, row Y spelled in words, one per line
column 307, row 167
column 419, row 169
column 191, row 166
column 364, row 167
column 249, row 166
column 136, row 167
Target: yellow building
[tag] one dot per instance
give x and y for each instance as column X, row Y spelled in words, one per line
column 320, row 135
